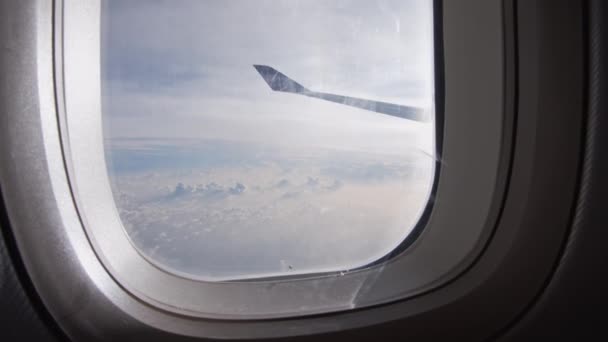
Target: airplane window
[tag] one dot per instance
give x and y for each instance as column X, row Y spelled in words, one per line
column 253, row 139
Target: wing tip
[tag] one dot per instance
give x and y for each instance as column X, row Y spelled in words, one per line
column 267, row 73
column 277, row 81
column 261, row 68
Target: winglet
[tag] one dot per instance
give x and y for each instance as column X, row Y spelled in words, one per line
column 277, row 81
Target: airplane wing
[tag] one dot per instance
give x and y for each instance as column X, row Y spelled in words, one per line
column 277, row 81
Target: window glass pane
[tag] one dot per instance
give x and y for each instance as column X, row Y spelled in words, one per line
column 250, row 139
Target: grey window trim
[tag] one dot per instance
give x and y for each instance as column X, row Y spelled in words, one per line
column 440, row 251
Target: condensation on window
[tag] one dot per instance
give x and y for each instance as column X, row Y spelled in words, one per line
column 249, row 139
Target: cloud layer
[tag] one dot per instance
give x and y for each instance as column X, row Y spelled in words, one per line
column 243, row 218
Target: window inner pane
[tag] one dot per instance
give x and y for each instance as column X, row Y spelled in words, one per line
column 249, row 139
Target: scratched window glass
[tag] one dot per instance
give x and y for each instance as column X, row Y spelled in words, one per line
column 263, row 138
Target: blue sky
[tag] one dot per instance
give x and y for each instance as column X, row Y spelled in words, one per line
column 181, row 99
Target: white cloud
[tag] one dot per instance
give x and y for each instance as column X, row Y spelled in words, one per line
column 247, row 216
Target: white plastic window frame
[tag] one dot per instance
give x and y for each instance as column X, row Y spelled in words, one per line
column 471, row 164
